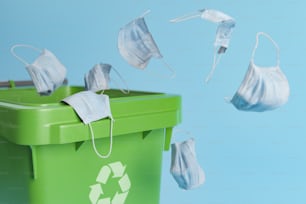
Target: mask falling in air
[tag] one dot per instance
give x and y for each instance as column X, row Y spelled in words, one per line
column 185, row 168
column 224, row 31
column 98, row 78
column 263, row 88
column 47, row 72
column 137, row 46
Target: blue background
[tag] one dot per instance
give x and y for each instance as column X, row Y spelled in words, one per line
column 247, row 157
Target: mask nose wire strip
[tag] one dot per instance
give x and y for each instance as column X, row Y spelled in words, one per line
column 20, row 58
column 110, row 141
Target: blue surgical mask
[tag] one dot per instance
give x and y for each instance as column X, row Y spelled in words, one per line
column 137, row 46
column 47, row 72
column 263, row 88
column 91, row 107
column 224, row 31
column 98, row 78
column 185, row 168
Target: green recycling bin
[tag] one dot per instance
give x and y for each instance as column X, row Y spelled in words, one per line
column 47, row 156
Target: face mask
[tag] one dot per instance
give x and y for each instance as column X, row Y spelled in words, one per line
column 185, row 168
column 136, row 44
column 91, row 107
column 224, row 31
column 214, row 15
column 98, row 78
column 47, row 72
column 223, row 35
column 263, row 88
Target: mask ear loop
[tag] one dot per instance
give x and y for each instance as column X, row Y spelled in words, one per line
column 170, row 69
column 187, row 16
column 273, row 42
column 183, row 132
column 145, row 13
column 20, row 58
column 216, row 60
column 173, row 73
column 125, row 91
column 110, row 141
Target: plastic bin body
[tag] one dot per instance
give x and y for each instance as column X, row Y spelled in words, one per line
column 46, row 153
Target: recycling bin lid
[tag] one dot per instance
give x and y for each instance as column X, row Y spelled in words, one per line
column 26, row 118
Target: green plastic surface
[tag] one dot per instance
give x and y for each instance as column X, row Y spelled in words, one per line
column 29, row 119
column 46, row 154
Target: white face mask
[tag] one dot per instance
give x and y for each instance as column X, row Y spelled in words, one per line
column 185, row 168
column 224, row 31
column 47, row 72
column 214, row 15
column 91, row 107
column 263, row 88
column 98, row 78
column 136, row 44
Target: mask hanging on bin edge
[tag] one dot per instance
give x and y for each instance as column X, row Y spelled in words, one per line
column 185, row 168
column 263, row 88
column 224, row 31
column 137, row 46
column 47, row 72
column 98, row 78
column 91, row 107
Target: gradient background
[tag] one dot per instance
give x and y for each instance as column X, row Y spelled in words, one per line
column 247, row 157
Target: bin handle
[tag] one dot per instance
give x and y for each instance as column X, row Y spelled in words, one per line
column 110, row 143
column 13, row 84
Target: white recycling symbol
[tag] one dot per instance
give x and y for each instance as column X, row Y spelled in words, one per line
column 117, row 170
